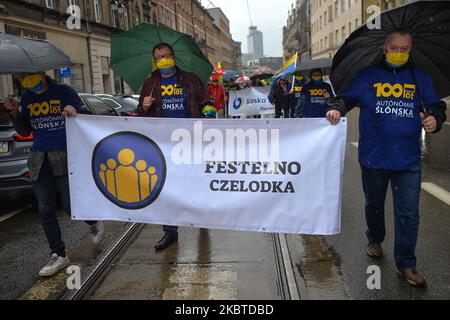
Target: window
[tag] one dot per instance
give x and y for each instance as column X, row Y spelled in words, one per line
column 343, row 34
column 325, row 17
column 343, row 8
column 336, row 9
column 330, row 11
column 73, row 2
column 336, row 37
column 356, row 23
column 321, row 44
column 50, row 3
column 349, row 28
column 321, row 22
column 98, row 11
column 326, row 42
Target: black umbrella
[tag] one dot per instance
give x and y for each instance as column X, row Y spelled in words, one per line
column 18, row 55
column 306, row 66
column 230, row 75
column 429, row 23
column 261, row 76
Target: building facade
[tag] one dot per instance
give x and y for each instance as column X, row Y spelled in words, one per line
column 237, row 56
column 88, row 42
column 332, row 21
column 297, row 32
column 255, row 43
column 224, row 43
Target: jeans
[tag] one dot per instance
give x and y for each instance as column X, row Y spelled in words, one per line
column 405, row 187
column 45, row 190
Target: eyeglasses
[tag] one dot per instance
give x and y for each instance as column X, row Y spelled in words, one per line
column 166, row 56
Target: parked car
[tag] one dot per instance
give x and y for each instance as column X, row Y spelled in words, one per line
column 15, row 149
column 124, row 105
column 95, row 105
column 14, row 152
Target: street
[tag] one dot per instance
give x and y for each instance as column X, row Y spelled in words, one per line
column 217, row 264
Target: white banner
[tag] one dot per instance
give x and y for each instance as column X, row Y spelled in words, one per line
column 250, row 102
column 278, row 175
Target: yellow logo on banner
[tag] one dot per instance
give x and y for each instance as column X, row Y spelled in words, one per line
column 125, row 181
column 298, row 89
column 171, row 90
column 317, row 92
column 44, row 108
column 396, row 90
column 129, row 169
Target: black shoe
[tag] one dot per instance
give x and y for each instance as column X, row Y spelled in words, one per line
column 166, row 241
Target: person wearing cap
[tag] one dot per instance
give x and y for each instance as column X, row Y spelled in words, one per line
column 170, row 92
column 299, row 84
column 41, row 112
column 313, row 99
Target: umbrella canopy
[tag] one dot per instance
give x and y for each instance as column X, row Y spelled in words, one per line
column 18, row 55
column 307, row 65
column 429, row 23
column 262, row 76
column 242, row 79
column 132, row 58
column 230, row 75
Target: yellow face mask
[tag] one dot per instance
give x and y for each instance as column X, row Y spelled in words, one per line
column 397, row 58
column 165, row 63
column 30, row 81
column 298, row 78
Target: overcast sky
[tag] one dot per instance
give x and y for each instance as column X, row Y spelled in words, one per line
column 268, row 15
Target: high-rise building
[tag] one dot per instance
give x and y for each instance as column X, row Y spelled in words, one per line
column 255, row 43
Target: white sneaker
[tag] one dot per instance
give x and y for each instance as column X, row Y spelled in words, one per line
column 97, row 230
column 55, row 264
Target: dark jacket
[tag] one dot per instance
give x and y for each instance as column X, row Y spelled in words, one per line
column 278, row 96
column 197, row 94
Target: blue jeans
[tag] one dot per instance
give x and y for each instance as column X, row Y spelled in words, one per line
column 405, row 187
column 45, row 190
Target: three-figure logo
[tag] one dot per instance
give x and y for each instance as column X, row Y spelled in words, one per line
column 237, row 103
column 129, row 169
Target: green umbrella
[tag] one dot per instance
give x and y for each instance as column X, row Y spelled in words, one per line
column 131, row 53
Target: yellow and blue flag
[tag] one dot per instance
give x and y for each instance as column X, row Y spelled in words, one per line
column 288, row 67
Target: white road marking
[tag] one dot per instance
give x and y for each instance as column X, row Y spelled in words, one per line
column 13, row 213
column 437, row 192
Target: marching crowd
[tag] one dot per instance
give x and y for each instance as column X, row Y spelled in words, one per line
column 388, row 148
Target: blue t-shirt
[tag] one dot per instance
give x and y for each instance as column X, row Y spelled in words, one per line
column 44, row 114
column 314, row 103
column 174, row 98
column 389, row 122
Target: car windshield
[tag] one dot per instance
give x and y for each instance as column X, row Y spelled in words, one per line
column 127, row 103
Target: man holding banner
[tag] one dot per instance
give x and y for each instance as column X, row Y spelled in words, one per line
column 172, row 93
